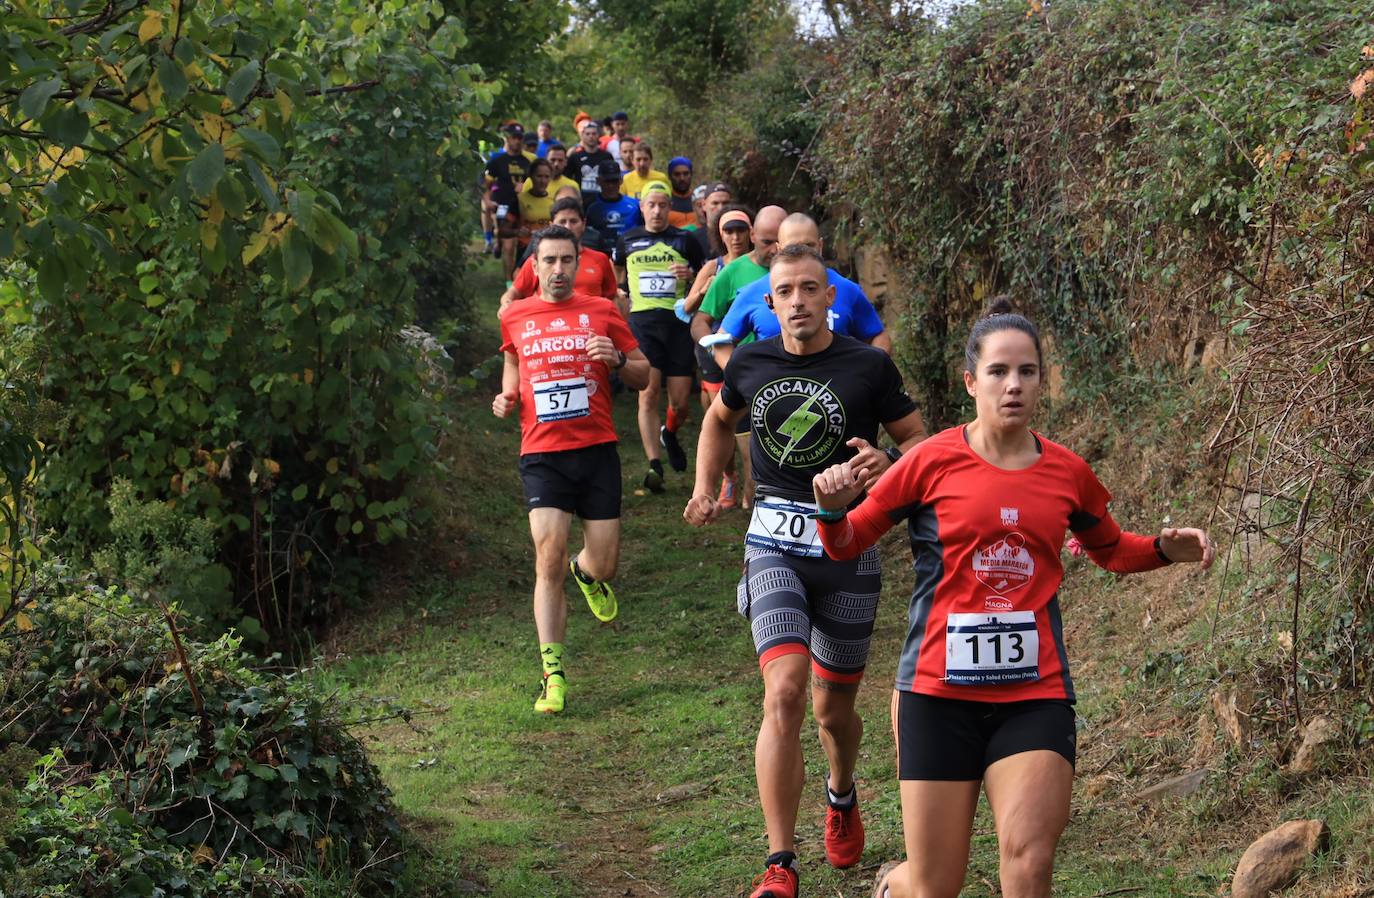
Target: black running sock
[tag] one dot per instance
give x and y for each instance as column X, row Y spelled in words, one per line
column 841, row 802
column 657, row 466
column 786, row 859
column 581, row 574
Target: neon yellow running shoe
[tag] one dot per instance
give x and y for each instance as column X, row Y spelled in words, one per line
column 600, row 597
column 554, row 696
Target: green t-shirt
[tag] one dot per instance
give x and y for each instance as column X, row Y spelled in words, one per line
column 739, row 273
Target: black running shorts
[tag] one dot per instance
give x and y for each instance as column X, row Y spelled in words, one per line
column 666, row 341
column 951, row 739
column 711, row 373
column 585, row 482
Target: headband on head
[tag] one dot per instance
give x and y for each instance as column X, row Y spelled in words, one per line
column 732, row 216
column 655, row 187
column 679, row 160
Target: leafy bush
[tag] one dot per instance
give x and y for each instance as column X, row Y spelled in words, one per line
column 1104, row 162
column 158, row 548
column 212, row 228
column 65, row 837
column 198, row 748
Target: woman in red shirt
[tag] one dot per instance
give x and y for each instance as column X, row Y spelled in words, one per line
column 983, row 693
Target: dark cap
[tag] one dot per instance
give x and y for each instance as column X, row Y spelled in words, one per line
column 719, row 186
column 513, row 128
column 608, row 170
column 620, row 117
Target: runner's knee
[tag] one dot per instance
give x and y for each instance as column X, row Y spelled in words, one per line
column 836, row 713
column 784, row 705
column 1026, row 858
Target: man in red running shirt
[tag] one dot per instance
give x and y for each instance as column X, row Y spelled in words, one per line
column 560, row 347
column 595, row 273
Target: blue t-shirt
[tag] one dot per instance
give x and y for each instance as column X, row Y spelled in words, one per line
column 851, row 314
column 542, row 150
column 612, row 218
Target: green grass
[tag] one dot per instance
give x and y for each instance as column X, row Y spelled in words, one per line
column 645, row 785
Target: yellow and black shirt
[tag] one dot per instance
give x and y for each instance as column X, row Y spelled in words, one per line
column 648, row 259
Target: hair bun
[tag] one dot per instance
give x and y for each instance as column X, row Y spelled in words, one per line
column 999, row 305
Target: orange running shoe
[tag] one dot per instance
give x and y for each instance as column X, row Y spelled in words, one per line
column 844, row 835
column 776, row 882
column 726, row 499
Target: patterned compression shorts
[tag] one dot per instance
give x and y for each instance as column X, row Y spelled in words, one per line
column 812, row 605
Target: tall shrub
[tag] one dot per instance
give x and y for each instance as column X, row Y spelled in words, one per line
column 215, row 216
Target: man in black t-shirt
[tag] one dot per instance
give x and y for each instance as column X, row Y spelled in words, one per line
column 505, row 174
column 814, row 399
column 584, row 162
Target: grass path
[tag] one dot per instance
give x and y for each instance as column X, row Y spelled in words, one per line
column 644, row 787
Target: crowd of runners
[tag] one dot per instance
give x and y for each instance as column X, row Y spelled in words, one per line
column 622, row 277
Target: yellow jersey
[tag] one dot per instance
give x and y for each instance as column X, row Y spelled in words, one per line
column 633, row 182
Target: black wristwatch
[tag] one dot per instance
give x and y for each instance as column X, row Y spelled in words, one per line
column 893, row 453
column 620, row 363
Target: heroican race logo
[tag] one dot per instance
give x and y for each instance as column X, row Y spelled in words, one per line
column 799, row 422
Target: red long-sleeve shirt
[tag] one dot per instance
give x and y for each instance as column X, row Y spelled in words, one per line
column 984, row 616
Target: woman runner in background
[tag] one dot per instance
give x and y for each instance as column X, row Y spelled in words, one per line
column 733, row 237
column 983, row 693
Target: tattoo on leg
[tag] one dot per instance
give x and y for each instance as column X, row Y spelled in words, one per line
column 832, row 686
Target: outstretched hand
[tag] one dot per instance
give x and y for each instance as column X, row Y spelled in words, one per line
column 1187, row 544
column 838, row 485
column 701, row 510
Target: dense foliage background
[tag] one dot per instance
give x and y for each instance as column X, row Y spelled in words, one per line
column 1159, row 185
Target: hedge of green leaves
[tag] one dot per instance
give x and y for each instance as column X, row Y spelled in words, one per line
column 163, row 754
column 1111, row 164
column 215, row 219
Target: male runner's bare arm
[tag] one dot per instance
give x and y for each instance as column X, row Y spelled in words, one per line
column 714, row 446
column 907, row 432
column 635, row 372
column 882, row 341
column 701, row 325
column 722, row 352
column 509, row 396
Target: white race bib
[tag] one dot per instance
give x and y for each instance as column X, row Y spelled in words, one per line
column 555, row 400
column 991, row 649
column 784, row 526
column 589, row 182
column 658, row 284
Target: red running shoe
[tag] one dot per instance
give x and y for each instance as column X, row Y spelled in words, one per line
column 844, row 835
column 776, row 882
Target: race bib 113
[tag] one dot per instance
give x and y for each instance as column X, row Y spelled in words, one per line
column 991, row 649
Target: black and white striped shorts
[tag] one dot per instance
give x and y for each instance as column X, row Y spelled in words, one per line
column 814, row 606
